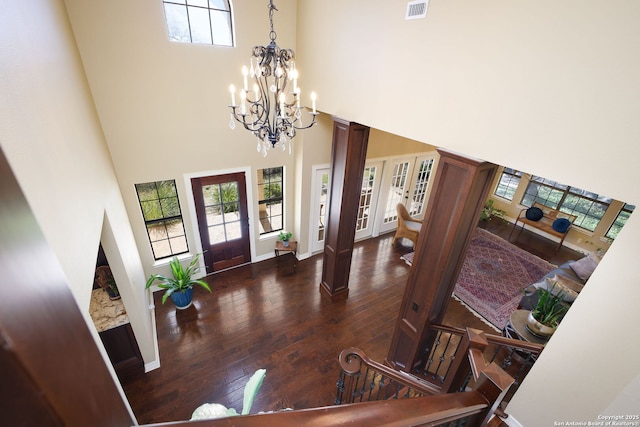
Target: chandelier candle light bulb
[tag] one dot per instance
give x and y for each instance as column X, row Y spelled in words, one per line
column 232, row 89
column 272, row 112
column 245, row 73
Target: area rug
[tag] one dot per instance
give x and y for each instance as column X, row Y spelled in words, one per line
column 493, row 276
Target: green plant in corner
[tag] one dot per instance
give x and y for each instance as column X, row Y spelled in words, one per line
column 489, row 211
column 182, row 278
column 114, row 287
column 285, row 236
column 549, row 309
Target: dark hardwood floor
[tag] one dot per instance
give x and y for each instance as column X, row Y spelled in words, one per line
column 272, row 315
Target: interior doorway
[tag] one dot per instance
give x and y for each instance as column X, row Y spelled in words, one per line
column 223, row 220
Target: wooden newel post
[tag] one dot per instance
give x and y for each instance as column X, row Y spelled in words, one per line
column 473, row 342
column 350, row 366
column 493, row 383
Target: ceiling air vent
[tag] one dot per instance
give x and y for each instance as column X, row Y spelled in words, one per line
column 417, row 9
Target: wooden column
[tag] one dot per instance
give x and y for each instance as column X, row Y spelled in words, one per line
column 461, row 186
column 348, row 155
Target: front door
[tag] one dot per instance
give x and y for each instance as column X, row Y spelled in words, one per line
column 223, row 220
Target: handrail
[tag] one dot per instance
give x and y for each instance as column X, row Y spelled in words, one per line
column 428, row 410
column 351, row 365
column 493, row 339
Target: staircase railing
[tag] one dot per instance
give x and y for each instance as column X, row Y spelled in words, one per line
column 455, row 409
column 362, row 379
column 445, row 366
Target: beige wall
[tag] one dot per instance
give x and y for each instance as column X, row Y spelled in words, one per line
column 384, row 144
column 53, row 140
column 164, row 106
column 546, row 87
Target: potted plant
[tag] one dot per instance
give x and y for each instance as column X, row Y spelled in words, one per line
column 112, row 290
column 180, row 286
column 285, row 236
column 489, row 211
column 545, row 317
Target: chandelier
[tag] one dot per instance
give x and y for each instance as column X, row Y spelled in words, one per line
column 271, row 110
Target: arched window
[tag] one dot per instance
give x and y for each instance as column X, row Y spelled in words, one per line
column 199, row 21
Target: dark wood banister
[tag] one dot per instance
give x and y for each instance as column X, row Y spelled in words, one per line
column 493, row 339
column 352, row 366
column 427, row 410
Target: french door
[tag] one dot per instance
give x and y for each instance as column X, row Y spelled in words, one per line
column 223, row 220
column 384, row 185
column 368, row 204
column 406, row 181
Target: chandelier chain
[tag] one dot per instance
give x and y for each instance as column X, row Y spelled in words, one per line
column 272, row 33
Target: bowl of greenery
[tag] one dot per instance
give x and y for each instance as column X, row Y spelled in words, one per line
column 545, row 317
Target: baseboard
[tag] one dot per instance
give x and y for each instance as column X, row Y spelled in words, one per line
column 148, row 367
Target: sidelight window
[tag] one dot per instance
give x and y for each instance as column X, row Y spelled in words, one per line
column 270, row 199
column 163, row 218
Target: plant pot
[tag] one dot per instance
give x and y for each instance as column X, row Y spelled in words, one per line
column 285, row 243
column 112, row 294
column 537, row 328
column 182, row 299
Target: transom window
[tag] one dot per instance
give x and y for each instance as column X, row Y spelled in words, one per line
column 270, row 199
column 587, row 206
column 163, row 218
column 509, row 181
column 620, row 221
column 199, row 21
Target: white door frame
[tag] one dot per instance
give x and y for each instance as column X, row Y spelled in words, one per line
column 316, row 245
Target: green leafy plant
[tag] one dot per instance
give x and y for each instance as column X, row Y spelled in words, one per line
column 181, row 280
column 550, row 308
column 113, row 287
column 489, row 211
column 285, row 235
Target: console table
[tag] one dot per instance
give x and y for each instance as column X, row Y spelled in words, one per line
column 291, row 247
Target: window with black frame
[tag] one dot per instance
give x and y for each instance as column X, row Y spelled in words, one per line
column 199, row 21
column 508, row 184
column 163, row 218
column 270, row 199
column 620, row 221
column 589, row 207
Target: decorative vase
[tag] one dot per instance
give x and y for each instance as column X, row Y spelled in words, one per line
column 285, row 243
column 182, row 299
column 537, row 328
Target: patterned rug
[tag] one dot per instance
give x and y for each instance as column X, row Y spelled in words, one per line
column 493, row 276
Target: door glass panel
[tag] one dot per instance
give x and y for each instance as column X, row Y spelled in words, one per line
column 222, row 212
column 364, row 208
column 396, row 191
column 323, row 205
column 416, row 206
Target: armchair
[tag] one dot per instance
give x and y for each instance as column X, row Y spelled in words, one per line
column 408, row 227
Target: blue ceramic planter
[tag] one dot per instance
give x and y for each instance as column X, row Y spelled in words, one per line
column 182, row 300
